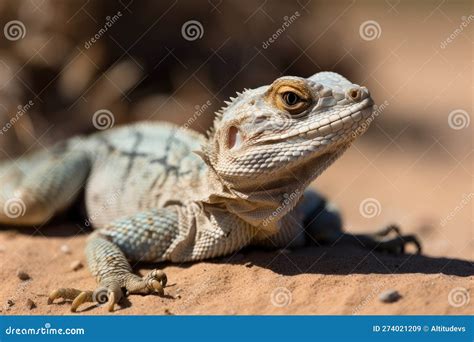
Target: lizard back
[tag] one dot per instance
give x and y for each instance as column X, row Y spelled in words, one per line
column 143, row 166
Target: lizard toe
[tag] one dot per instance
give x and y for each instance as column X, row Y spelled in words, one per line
column 153, row 282
column 102, row 296
column 397, row 245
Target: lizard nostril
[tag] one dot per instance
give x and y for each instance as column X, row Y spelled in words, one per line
column 355, row 94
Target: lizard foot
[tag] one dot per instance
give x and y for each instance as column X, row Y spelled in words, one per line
column 394, row 245
column 110, row 291
column 102, row 295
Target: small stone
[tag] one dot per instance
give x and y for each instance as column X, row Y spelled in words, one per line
column 168, row 312
column 30, row 304
column 389, row 296
column 76, row 265
column 248, row 264
column 10, row 302
column 22, row 275
column 65, row 249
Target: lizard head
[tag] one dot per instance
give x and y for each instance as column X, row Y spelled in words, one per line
column 293, row 128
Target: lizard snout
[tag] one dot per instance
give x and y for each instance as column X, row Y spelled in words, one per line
column 357, row 94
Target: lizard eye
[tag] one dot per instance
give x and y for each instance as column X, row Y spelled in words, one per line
column 290, row 98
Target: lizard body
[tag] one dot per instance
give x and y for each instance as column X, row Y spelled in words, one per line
column 156, row 191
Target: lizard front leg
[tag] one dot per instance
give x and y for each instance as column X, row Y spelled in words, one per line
column 145, row 236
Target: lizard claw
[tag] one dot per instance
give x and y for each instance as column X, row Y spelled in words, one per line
column 110, row 292
column 153, row 282
column 102, row 295
column 395, row 245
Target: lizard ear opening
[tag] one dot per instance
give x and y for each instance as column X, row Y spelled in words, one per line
column 234, row 138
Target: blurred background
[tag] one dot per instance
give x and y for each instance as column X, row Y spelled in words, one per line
column 63, row 61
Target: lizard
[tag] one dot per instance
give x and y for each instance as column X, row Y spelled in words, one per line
column 158, row 192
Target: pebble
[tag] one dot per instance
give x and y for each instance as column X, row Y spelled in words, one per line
column 65, row 249
column 22, row 275
column 168, row 312
column 389, row 296
column 10, row 302
column 248, row 264
column 76, row 265
column 30, row 304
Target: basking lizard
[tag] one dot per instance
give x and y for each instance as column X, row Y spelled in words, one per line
column 158, row 192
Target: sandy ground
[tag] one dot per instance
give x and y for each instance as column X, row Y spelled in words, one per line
column 418, row 191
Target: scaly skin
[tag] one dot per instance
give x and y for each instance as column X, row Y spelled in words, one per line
column 157, row 192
